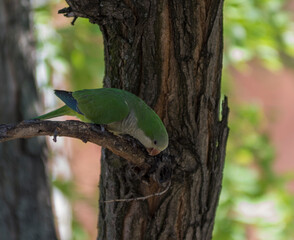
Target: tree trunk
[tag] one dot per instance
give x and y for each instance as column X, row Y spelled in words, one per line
column 170, row 54
column 25, row 208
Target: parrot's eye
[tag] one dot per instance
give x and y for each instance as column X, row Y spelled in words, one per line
column 155, row 142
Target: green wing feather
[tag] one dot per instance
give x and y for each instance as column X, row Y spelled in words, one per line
column 102, row 106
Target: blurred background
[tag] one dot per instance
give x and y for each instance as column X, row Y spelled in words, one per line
column 257, row 199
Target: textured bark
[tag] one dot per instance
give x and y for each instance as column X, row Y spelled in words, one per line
column 170, row 54
column 25, row 209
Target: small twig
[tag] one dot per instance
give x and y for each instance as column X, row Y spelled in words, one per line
column 73, row 21
column 141, row 198
column 55, row 135
column 70, row 13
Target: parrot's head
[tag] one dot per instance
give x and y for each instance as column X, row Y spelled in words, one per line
column 148, row 128
column 158, row 143
column 154, row 137
column 155, row 144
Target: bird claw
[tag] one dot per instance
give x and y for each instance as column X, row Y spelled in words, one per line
column 102, row 128
column 98, row 128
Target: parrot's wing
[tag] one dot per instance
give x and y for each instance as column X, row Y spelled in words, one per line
column 102, row 106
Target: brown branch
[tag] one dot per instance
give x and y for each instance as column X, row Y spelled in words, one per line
column 122, row 146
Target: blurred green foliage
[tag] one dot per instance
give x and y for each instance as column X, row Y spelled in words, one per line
column 82, row 47
column 259, row 29
column 254, row 199
column 255, row 202
column 67, row 56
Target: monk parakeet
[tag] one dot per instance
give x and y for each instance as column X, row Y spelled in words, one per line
column 122, row 113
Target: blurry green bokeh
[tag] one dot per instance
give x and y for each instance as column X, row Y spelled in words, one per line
column 254, row 198
column 70, row 56
column 259, row 29
column 82, row 47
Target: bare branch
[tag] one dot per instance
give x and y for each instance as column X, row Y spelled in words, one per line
column 124, row 147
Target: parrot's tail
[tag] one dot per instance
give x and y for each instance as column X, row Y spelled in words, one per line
column 68, row 99
column 65, row 110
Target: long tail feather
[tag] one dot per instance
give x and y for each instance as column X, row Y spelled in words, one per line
column 65, row 110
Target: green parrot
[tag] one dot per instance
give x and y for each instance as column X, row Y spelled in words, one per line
column 122, row 113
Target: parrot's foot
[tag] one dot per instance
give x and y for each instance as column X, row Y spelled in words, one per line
column 98, row 128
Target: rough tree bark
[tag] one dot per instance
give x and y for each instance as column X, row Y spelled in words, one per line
column 25, row 208
column 170, row 54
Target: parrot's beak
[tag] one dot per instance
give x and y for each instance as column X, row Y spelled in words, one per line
column 153, row 151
